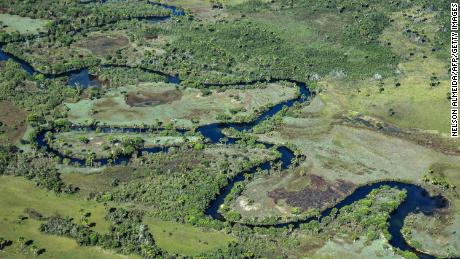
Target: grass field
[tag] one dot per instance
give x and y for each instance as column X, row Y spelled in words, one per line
column 176, row 238
column 12, row 23
column 19, row 195
column 152, row 103
column 99, row 180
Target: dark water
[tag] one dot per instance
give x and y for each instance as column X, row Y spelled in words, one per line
column 82, row 78
column 26, row 66
column 174, row 10
column 418, row 200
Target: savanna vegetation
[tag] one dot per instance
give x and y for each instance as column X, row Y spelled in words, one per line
column 127, row 168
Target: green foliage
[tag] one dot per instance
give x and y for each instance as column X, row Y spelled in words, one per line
column 408, row 255
column 367, row 217
column 122, row 76
column 33, row 166
column 127, row 234
column 72, row 16
column 179, row 185
column 366, row 28
column 7, row 156
column 15, row 85
column 4, row 243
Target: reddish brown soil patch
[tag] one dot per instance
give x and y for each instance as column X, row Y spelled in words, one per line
column 12, row 122
column 3, row 10
column 104, row 44
column 144, row 99
column 107, row 103
column 316, row 196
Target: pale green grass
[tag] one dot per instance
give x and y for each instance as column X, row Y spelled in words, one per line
column 112, row 109
column 436, row 236
column 416, row 104
column 339, row 248
column 22, row 24
column 186, row 239
column 17, row 194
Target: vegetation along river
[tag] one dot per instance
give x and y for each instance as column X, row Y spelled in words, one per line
column 418, row 199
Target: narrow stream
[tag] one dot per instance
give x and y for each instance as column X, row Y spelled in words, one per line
column 418, row 200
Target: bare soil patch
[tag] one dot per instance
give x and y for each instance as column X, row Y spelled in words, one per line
column 12, row 122
column 104, row 44
column 316, row 195
column 107, row 103
column 143, row 99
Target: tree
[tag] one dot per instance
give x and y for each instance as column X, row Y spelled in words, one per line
column 84, row 140
column 90, row 157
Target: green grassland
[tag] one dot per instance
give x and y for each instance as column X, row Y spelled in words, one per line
column 177, row 238
column 188, row 105
column 19, row 194
column 265, row 40
column 15, row 23
column 435, row 235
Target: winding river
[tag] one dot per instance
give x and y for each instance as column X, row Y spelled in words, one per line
column 418, row 200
